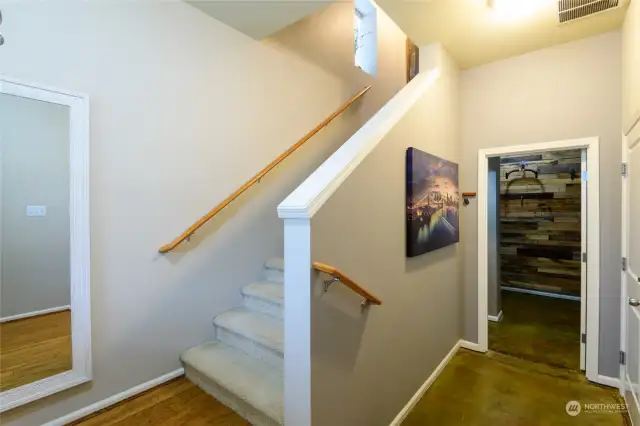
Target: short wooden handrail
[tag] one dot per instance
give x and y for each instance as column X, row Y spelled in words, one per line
column 369, row 298
column 204, row 219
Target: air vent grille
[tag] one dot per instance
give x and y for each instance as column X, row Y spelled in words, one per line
column 570, row 10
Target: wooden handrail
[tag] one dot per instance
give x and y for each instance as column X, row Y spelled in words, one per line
column 339, row 276
column 204, row 219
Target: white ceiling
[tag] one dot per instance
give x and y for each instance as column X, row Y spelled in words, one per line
column 258, row 18
column 475, row 34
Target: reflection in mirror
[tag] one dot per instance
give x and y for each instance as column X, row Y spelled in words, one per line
column 35, row 313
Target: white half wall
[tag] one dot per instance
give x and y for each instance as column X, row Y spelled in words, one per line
column 355, row 206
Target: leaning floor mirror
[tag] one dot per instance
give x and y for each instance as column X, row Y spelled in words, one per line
column 45, row 311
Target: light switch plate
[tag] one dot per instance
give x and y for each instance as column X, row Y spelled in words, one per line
column 36, row 211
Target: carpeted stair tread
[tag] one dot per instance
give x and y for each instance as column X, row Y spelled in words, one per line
column 250, row 380
column 266, row 290
column 258, row 327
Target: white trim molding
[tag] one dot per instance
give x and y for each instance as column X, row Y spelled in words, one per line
column 465, row 344
column 35, row 313
column 591, row 145
column 612, row 382
column 80, row 300
column 495, row 318
column 112, row 400
column 425, row 386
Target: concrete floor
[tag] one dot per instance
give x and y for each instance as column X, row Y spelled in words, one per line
column 495, row 389
column 537, row 328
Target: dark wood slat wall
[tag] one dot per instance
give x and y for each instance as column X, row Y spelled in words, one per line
column 540, row 223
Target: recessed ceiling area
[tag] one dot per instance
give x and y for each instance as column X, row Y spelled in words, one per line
column 258, row 18
column 475, row 33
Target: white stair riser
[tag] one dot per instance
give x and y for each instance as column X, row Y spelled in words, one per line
column 264, row 306
column 263, row 353
column 274, row 275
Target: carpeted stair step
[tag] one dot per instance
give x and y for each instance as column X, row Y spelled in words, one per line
column 266, row 297
column 251, row 388
column 274, row 270
column 256, row 334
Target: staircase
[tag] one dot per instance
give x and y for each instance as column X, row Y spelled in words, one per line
column 243, row 367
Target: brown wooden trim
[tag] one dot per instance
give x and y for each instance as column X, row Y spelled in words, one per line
column 335, row 272
column 204, row 219
column 468, row 194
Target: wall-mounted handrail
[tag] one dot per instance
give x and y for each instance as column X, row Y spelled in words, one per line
column 369, row 299
column 204, row 219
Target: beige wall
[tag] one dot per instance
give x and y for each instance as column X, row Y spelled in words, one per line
column 564, row 92
column 34, row 155
column 184, row 111
column 365, row 367
column 326, row 40
column 631, row 64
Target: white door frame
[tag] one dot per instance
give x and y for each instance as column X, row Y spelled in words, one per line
column 591, row 145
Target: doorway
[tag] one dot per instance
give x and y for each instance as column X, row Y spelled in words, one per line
column 535, row 274
column 550, row 283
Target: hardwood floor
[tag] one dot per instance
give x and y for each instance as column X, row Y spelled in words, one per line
column 495, row 389
column 34, row 348
column 178, row 402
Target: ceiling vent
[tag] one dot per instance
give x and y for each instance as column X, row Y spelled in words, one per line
column 570, row 10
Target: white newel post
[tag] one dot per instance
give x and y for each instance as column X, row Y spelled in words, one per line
column 297, row 317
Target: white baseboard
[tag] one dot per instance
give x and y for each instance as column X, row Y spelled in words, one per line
column 496, row 318
column 613, row 382
column 35, row 313
column 432, row 378
column 541, row 293
column 471, row 346
column 112, row 400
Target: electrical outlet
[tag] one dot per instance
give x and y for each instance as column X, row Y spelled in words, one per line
column 36, row 211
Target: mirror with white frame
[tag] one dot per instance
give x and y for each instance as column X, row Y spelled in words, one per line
column 45, row 334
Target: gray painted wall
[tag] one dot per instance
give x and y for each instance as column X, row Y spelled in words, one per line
column 34, row 150
column 493, row 195
column 365, row 367
column 564, row 92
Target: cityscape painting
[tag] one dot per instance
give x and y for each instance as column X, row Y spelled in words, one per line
column 432, row 203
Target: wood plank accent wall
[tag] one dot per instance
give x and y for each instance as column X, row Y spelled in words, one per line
column 540, row 223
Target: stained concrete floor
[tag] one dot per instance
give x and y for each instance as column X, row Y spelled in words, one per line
column 538, row 328
column 495, row 389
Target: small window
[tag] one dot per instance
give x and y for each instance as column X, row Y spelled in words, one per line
column 365, row 41
column 357, row 42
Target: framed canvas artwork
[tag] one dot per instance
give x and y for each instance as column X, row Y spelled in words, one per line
column 432, row 202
